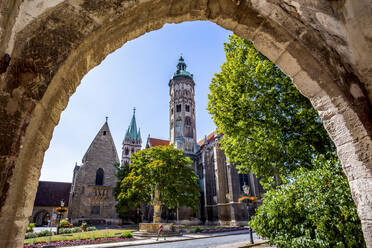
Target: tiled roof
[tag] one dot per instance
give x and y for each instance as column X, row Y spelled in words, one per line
column 51, row 193
column 157, row 142
column 210, row 138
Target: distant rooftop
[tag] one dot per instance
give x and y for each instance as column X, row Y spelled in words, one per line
column 51, row 193
column 157, row 142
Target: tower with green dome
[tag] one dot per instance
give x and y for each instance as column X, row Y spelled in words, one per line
column 132, row 141
column 182, row 109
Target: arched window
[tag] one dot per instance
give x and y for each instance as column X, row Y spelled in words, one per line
column 99, row 176
column 188, row 127
column 188, row 121
column 126, row 150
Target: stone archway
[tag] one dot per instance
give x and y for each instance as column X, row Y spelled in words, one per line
column 41, row 218
column 324, row 46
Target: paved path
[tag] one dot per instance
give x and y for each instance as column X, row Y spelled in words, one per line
column 187, row 240
column 39, row 229
column 204, row 243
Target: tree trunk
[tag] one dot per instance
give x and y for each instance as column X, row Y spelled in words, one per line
column 157, row 207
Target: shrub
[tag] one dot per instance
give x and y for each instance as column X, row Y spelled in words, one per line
column 64, row 223
column 91, row 228
column 127, row 234
column 66, row 230
column 30, row 227
column 30, row 235
column 76, row 229
column 45, row 233
column 313, row 209
column 198, row 230
column 83, row 226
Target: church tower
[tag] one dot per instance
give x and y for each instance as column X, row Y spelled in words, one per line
column 132, row 141
column 182, row 109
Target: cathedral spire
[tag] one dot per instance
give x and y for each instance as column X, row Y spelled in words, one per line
column 132, row 141
column 132, row 133
column 181, row 64
column 181, row 70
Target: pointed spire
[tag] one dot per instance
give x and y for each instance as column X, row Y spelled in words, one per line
column 132, row 133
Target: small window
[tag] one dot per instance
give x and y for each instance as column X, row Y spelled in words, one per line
column 95, row 210
column 172, row 111
column 187, row 107
column 104, row 132
column 178, row 108
column 126, row 151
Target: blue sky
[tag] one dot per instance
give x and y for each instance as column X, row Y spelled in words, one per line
column 136, row 75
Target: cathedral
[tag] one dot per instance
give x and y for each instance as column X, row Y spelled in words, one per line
column 91, row 197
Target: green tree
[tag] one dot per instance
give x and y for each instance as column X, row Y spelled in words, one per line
column 269, row 127
column 312, row 209
column 164, row 168
column 123, row 207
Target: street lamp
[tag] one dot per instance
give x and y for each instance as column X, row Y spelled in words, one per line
column 60, row 211
column 246, row 191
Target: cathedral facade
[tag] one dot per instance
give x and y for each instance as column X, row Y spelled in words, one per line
column 91, row 196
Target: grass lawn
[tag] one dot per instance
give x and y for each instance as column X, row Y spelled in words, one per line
column 105, row 233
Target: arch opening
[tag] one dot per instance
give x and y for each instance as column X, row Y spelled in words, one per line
column 42, row 77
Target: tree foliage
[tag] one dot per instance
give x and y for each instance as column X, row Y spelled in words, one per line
column 312, row 209
column 124, row 207
column 269, row 127
column 166, row 168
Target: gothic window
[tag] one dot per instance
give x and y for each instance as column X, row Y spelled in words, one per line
column 99, row 176
column 126, row 163
column 187, row 107
column 172, row 111
column 188, row 121
column 95, row 210
column 188, row 127
column 104, row 132
column 132, row 150
column 178, row 107
column 126, row 150
column 178, row 128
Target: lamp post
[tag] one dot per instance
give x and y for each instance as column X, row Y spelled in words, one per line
column 246, row 191
column 60, row 211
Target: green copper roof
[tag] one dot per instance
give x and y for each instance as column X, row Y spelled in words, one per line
column 181, row 69
column 132, row 133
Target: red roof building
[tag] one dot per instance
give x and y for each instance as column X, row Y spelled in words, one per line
column 151, row 142
column 210, row 138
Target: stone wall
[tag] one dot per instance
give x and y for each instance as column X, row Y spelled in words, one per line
column 325, row 46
